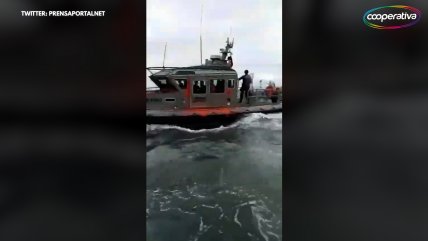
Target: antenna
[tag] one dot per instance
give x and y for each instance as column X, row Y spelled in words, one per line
column 200, row 34
column 164, row 53
column 233, row 39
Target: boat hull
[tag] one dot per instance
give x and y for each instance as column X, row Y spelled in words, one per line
column 204, row 118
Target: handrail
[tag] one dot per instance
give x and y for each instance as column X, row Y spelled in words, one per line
column 152, row 88
column 214, row 67
column 160, row 68
column 163, row 67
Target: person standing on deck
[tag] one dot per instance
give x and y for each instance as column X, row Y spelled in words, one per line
column 245, row 87
column 229, row 61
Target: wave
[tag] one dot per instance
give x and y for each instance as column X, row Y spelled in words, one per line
column 253, row 120
column 211, row 212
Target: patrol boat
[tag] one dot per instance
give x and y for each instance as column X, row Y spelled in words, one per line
column 204, row 96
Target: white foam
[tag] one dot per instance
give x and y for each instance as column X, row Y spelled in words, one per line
column 254, row 121
column 246, row 203
column 208, row 206
column 201, row 225
column 181, row 210
column 273, row 234
column 199, row 196
column 250, row 119
column 260, row 221
column 172, row 127
column 235, row 219
column 265, row 222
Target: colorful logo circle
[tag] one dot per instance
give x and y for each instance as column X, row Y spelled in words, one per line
column 392, row 17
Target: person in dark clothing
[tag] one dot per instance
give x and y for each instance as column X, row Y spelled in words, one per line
column 230, row 61
column 195, row 87
column 245, row 87
column 203, row 87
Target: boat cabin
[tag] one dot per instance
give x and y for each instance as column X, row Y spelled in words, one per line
column 214, row 84
column 199, row 86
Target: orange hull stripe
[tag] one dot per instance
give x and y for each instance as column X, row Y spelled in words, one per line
column 209, row 111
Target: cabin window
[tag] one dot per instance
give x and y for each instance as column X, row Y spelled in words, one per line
column 182, row 83
column 199, row 87
column 217, row 86
column 231, row 83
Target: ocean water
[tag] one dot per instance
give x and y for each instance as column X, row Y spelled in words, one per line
column 217, row 184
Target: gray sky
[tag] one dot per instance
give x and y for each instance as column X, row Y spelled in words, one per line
column 256, row 26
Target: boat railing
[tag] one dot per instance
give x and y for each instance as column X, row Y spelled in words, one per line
column 261, row 92
column 260, row 95
column 160, row 68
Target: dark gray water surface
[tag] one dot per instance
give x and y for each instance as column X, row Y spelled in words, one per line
column 219, row 184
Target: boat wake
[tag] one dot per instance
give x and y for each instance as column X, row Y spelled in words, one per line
column 254, row 120
column 215, row 184
column 213, row 214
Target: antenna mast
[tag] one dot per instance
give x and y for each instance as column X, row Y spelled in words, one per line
column 200, row 34
column 164, row 53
